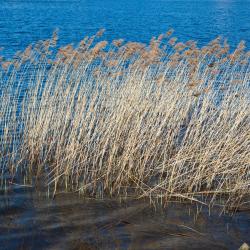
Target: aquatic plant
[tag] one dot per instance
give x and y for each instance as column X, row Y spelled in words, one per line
column 165, row 120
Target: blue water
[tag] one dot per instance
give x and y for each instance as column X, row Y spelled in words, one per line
column 23, row 22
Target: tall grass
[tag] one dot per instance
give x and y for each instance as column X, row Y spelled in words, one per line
column 167, row 120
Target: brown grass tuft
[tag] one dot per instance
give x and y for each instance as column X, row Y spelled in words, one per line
column 157, row 120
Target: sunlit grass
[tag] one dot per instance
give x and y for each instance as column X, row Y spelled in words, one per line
column 166, row 120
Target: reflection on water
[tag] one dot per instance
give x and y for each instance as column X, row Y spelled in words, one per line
column 31, row 220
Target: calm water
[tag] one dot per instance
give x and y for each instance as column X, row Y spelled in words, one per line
column 23, row 22
column 29, row 220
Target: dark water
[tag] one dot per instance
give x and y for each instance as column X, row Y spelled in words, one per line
column 26, row 21
column 30, row 220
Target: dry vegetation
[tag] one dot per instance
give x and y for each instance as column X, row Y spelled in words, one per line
column 166, row 120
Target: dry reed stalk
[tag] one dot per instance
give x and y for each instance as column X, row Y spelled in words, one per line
column 165, row 121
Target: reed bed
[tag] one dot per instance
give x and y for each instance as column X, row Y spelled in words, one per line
column 165, row 119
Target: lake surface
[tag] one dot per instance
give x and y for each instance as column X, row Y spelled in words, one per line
column 31, row 220
column 24, row 22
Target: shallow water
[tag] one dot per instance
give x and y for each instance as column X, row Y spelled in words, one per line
column 31, row 220
column 26, row 21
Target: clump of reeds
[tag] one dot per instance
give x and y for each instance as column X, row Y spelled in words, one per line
column 167, row 119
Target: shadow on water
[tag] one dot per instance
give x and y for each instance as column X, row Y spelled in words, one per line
column 31, row 220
